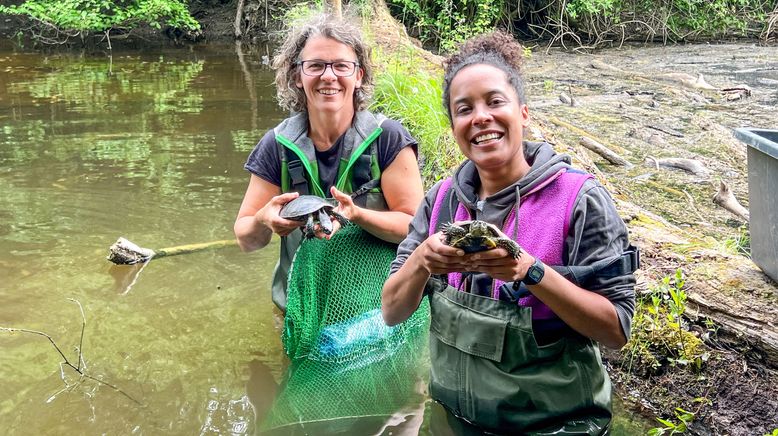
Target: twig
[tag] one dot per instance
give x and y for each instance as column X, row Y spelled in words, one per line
column 67, row 362
column 583, row 132
column 83, row 327
column 694, row 208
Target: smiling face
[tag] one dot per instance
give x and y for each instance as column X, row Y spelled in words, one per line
column 328, row 92
column 487, row 118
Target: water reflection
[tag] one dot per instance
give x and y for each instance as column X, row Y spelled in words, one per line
column 150, row 147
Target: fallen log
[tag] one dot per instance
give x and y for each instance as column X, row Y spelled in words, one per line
column 689, row 165
column 604, row 151
column 124, row 252
column 583, row 132
column 727, row 200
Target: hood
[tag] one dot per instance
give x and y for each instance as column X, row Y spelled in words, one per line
column 544, row 162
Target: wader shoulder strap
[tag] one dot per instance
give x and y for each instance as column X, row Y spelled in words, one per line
column 296, row 174
column 360, row 161
column 294, row 168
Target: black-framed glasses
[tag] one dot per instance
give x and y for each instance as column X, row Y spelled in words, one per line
column 339, row 68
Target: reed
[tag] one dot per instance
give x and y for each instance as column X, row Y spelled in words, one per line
column 413, row 96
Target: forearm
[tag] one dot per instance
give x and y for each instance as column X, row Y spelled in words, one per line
column 251, row 234
column 403, row 291
column 391, row 226
column 588, row 313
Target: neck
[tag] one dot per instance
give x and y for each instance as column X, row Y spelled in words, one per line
column 494, row 180
column 326, row 127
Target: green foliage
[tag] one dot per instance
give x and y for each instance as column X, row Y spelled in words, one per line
column 85, row 16
column 579, row 8
column 414, row 97
column 675, row 19
column 680, row 426
column 446, row 23
column 660, row 335
column 300, row 12
column 774, row 433
column 740, row 243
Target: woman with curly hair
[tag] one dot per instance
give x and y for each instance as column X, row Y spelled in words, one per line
column 331, row 147
column 514, row 330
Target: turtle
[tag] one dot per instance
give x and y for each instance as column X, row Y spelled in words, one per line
column 476, row 235
column 311, row 209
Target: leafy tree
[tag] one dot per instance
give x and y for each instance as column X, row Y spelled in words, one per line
column 56, row 21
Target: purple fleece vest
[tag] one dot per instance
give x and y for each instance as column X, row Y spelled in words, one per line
column 546, row 211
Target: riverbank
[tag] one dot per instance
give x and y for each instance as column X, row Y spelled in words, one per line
column 647, row 103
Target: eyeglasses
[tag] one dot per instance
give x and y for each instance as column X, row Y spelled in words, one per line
column 339, row 68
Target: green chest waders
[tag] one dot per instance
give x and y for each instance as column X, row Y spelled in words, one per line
column 488, row 369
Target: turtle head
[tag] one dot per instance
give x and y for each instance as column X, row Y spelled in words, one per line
column 479, row 228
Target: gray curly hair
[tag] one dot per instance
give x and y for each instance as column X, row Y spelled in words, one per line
column 292, row 98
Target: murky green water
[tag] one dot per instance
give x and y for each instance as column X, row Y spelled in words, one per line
column 149, row 146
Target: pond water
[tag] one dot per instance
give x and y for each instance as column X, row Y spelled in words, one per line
column 148, row 145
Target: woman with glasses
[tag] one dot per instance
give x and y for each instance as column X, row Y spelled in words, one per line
column 324, row 77
column 329, row 287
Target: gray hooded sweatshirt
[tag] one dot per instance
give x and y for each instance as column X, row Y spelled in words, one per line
column 596, row 230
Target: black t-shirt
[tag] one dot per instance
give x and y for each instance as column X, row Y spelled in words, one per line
column 265, row 161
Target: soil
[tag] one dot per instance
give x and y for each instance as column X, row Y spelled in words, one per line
column 644, row 103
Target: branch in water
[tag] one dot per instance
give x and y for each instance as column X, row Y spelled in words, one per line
column 79, row 369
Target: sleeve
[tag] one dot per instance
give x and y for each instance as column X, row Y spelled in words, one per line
column 393, row 138
column 265, row 161
column 597, row 232
column 418, row 230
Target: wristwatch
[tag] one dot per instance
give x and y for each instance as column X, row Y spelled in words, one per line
column 534, row 273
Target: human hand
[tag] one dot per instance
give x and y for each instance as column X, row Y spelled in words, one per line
column 438, row 258
column 346, row 206
column 499, row 264
column 270, row 218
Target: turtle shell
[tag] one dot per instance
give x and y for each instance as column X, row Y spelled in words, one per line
column 304, row 205
column 473, row 236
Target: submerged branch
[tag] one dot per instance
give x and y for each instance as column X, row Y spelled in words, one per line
column 124, row 252
column 81, row 370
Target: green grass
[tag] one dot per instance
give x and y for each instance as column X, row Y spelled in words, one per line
column 413, row 97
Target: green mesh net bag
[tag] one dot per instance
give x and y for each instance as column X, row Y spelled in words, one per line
column 345, row 362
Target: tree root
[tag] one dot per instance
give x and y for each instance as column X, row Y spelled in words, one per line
column 727, row 200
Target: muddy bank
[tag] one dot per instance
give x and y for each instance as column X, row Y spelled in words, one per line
column 647, row 104
column 650, row 104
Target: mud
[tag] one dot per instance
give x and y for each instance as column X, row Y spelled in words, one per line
column 647, row 103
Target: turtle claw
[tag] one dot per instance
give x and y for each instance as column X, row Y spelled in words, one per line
column 341, row 219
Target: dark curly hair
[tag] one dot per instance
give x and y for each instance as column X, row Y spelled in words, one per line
column 498, row 49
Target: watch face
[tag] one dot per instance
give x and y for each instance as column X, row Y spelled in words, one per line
column 535, row 274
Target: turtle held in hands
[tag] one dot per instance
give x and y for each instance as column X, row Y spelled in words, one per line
column 473, row 236
column 312, row 210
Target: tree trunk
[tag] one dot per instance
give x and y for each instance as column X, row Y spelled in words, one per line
column 239, row 19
